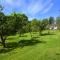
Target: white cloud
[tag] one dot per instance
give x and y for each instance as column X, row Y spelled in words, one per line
column 48, row 8
column 9, row 1
column 31, row 8
column 35, row 7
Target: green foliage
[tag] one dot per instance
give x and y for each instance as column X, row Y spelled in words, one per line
column 11, row 24
column 35, row 25
column 51, row 20
column 45, row 23
column 28, row 27
column 58, row 22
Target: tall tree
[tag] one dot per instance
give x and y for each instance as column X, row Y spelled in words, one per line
column 34, row 25
column 45, row 23
column 51, row 20
column 58, row 22
column 23, row 21
column 10, row 25
column 28, row 28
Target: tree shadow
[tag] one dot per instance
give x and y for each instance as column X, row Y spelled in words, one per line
column 11, row 38
column 22, row 43
column 5, row 50
column 36, row 37
column 34, row 33
column 47, row 34
column 31, row 42
column 57, row 53
column 22, row 35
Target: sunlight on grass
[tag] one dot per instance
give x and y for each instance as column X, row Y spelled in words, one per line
column 45, row 47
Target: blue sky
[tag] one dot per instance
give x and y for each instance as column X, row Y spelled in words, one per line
column 32, row 8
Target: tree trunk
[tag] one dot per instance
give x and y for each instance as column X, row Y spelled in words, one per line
column 40, row 32
column 3, row 41
column 20, row 34
column 31, row 34
column 49, row 31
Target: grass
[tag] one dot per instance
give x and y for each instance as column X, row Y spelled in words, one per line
column 45, row 47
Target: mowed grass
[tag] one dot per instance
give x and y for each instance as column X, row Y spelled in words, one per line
column 45, row 47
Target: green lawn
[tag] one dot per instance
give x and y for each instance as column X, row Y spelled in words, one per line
column 45, row 47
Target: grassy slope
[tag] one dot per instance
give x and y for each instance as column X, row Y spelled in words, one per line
column 49, row 49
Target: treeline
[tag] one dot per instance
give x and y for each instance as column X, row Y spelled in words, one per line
column 19, row 23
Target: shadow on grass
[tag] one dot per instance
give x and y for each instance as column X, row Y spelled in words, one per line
column 57, row 53
column 13, row 45
column 23, row 36
column 35, row 37
column 47, row 34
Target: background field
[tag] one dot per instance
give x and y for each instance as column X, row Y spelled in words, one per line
column 45, row 47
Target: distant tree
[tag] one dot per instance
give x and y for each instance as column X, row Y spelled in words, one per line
column 34, row 25
column 58, row 22
column 40, row 28
column 51, row 20
column 28, row 28
column 51, row 24
column 45, row 23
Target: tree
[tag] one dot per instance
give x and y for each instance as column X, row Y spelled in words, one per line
column 10, row 25
column 23, row 21
column 51, row 24
column 45, row 23
column 34, row 25
column 28, row 28
column 58, row 22
column 7, row 27
column 51, row 20
column 40, row 28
